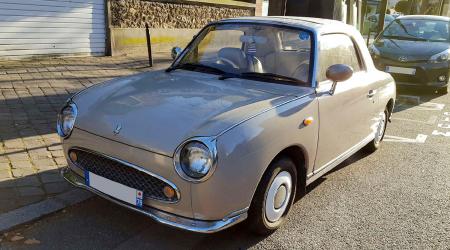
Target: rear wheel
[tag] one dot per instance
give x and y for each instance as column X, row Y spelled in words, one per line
column 374, row 145
column 274, row 197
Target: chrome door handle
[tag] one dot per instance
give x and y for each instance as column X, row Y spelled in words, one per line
column 371, row 93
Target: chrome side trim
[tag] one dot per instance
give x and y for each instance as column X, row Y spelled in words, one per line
column 198, row 226
column 338, row 160
column 131, row 166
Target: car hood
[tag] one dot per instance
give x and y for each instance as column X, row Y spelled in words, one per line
column 413, row 50
column 157, row 111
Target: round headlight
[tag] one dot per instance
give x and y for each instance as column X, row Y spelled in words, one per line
column 195, row 161
column 66, row 120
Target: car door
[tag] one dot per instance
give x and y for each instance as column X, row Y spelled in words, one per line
column 345, row 116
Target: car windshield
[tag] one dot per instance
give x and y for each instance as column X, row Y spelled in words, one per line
column 251, row 51
column 418, row 29
column 388, row 18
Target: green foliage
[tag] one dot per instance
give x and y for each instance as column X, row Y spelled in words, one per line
column 403, row 6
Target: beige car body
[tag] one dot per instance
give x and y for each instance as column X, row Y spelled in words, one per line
column 249, row 122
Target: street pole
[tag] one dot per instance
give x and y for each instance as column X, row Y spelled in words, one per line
column 383, row 9
column 149, row 46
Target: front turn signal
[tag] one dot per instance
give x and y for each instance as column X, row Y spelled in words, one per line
column 308, row 121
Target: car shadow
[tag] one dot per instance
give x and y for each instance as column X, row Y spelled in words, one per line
column 118, row 227
column 31, row 188
column 410, row 97
column 361, row 154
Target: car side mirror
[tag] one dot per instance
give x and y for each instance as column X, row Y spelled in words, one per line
column 338, row 73
column 176, row 51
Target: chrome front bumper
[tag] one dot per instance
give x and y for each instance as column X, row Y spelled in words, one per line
column 172, row 220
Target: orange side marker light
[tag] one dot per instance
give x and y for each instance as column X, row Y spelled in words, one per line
column 308, row 121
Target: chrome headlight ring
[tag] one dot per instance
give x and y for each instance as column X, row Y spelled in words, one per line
column 208, row 145
column 66, row 117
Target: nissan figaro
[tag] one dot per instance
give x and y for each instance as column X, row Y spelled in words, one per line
column 249, row 114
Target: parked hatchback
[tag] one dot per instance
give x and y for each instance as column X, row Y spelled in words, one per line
column 415, row 50
column 248, row 115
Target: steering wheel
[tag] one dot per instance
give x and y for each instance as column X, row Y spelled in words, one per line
column 228, row 62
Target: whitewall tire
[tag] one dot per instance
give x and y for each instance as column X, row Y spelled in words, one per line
column 274, row 197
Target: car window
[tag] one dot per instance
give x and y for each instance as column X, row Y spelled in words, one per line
column 337, row 49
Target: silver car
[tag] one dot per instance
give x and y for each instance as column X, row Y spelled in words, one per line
column 250, row 112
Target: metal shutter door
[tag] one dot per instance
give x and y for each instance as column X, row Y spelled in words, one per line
column 51, row 27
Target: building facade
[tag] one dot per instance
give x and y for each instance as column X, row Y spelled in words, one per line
column 35, row 28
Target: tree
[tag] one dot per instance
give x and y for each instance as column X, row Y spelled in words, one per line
column 403, row 6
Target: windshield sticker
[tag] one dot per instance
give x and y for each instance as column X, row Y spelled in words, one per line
column 304, row 36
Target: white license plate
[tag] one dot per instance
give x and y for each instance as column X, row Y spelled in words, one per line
column 400, row 70
column 114, row 189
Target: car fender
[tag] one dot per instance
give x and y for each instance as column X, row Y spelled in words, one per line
column 245, row 152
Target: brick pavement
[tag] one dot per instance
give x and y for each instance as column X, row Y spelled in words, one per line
column 31, row 93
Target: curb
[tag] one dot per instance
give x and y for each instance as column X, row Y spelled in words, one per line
column 35, row 211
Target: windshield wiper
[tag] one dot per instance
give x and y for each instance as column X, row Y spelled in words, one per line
column 406, row 38
column 263, row 76
column 194, row 66
column 409, row 34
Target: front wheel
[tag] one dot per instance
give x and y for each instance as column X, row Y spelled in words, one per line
column 274, row 197
column 374, row 145
column 443, row 90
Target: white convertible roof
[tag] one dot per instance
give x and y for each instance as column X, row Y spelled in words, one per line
column 320, row 25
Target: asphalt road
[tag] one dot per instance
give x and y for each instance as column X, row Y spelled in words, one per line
column 398, row 197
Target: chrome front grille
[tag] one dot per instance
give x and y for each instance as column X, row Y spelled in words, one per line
column 123, row 173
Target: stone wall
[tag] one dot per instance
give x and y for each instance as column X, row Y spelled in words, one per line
column 135, row 13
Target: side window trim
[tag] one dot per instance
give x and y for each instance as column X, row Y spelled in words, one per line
column 362, row 65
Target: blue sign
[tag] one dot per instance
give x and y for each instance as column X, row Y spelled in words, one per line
column 304, row 36
column 139, row 202
column 86, row 178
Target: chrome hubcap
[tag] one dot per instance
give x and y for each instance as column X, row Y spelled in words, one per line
column 380, row 130
column 278, row 196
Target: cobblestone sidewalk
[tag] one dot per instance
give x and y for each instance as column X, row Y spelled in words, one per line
column 31, row 93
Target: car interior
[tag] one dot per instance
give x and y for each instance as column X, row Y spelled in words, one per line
column 266, row 50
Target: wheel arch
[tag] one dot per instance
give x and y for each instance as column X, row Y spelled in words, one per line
column 298, row 155
column 390, row 107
